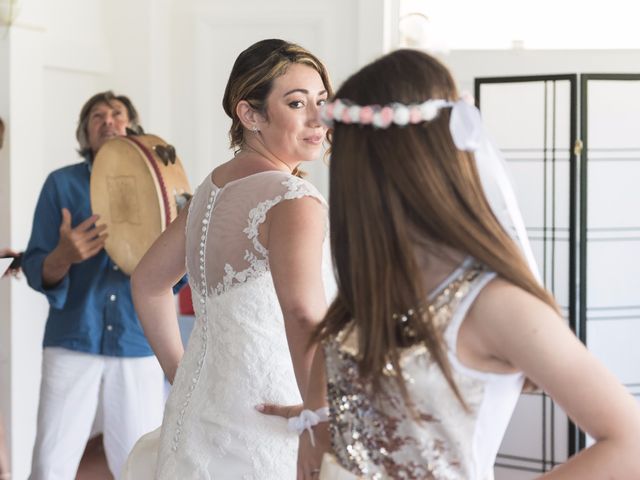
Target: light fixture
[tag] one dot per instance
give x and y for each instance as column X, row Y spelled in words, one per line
column 9, row 10
column 418, row 31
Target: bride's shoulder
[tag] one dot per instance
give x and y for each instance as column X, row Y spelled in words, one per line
column 297, row 186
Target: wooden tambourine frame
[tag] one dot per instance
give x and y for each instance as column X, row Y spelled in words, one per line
column 138, row 185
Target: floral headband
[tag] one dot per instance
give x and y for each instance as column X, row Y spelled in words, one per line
column 382, row 117
column 467, row 133
column 465, row 123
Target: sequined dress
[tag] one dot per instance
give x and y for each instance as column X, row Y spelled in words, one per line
column 376, row 437
column 237, row 356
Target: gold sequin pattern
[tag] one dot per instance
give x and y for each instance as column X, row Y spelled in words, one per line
column 376, row 436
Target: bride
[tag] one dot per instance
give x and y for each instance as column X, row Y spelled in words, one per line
column 254, row 242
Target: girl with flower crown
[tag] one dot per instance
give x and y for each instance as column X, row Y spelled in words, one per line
column 440, row 319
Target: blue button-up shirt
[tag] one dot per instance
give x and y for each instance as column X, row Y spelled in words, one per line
column 91, row 309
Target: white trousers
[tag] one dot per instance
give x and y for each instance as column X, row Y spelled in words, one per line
column 130, row 391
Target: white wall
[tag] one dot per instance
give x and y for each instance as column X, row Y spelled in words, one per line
column 210, row 35
column 52, row 62
column 22, row 108
column 469, row 64
column 55, row 56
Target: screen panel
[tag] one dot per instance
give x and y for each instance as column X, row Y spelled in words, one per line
column 533, row 122
column 610, row 224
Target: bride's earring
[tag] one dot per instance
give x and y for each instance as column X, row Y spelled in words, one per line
column 255, row 129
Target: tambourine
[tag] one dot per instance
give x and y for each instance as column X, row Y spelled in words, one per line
column 138, row 186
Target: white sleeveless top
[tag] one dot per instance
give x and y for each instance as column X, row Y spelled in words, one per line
column 375, row 436
column 237, row 356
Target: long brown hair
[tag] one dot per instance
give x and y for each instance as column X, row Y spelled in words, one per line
column 386, row 185
column 253, row 74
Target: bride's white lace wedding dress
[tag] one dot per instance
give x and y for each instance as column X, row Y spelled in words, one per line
column 237, row 356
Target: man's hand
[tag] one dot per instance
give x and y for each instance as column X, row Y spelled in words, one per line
column 82, row 242
column 75, row 245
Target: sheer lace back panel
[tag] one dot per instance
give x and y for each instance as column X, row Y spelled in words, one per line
column 228, row 238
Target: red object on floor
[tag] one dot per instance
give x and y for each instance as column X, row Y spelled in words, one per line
column 185, row 302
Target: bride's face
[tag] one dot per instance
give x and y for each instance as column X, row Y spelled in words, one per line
column 292, row 129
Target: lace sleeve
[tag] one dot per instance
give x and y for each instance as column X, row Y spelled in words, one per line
column 292, row 188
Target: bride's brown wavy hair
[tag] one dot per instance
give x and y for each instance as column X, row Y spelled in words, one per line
column 387, row 184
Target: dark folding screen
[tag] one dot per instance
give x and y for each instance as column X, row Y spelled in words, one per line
column 581, row 203
column 533, row 120
column 609, row 313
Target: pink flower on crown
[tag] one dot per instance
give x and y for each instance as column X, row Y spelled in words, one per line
column 346, row 117
column 366, row 115
column 386, row 116
column 414, row 115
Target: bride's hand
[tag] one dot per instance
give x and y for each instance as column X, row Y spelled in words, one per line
column 310, row 457
column 285, row 411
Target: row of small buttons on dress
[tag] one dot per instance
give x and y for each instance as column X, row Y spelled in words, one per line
column 203, row 321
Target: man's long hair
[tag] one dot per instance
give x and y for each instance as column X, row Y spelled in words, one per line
column 83, row 120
